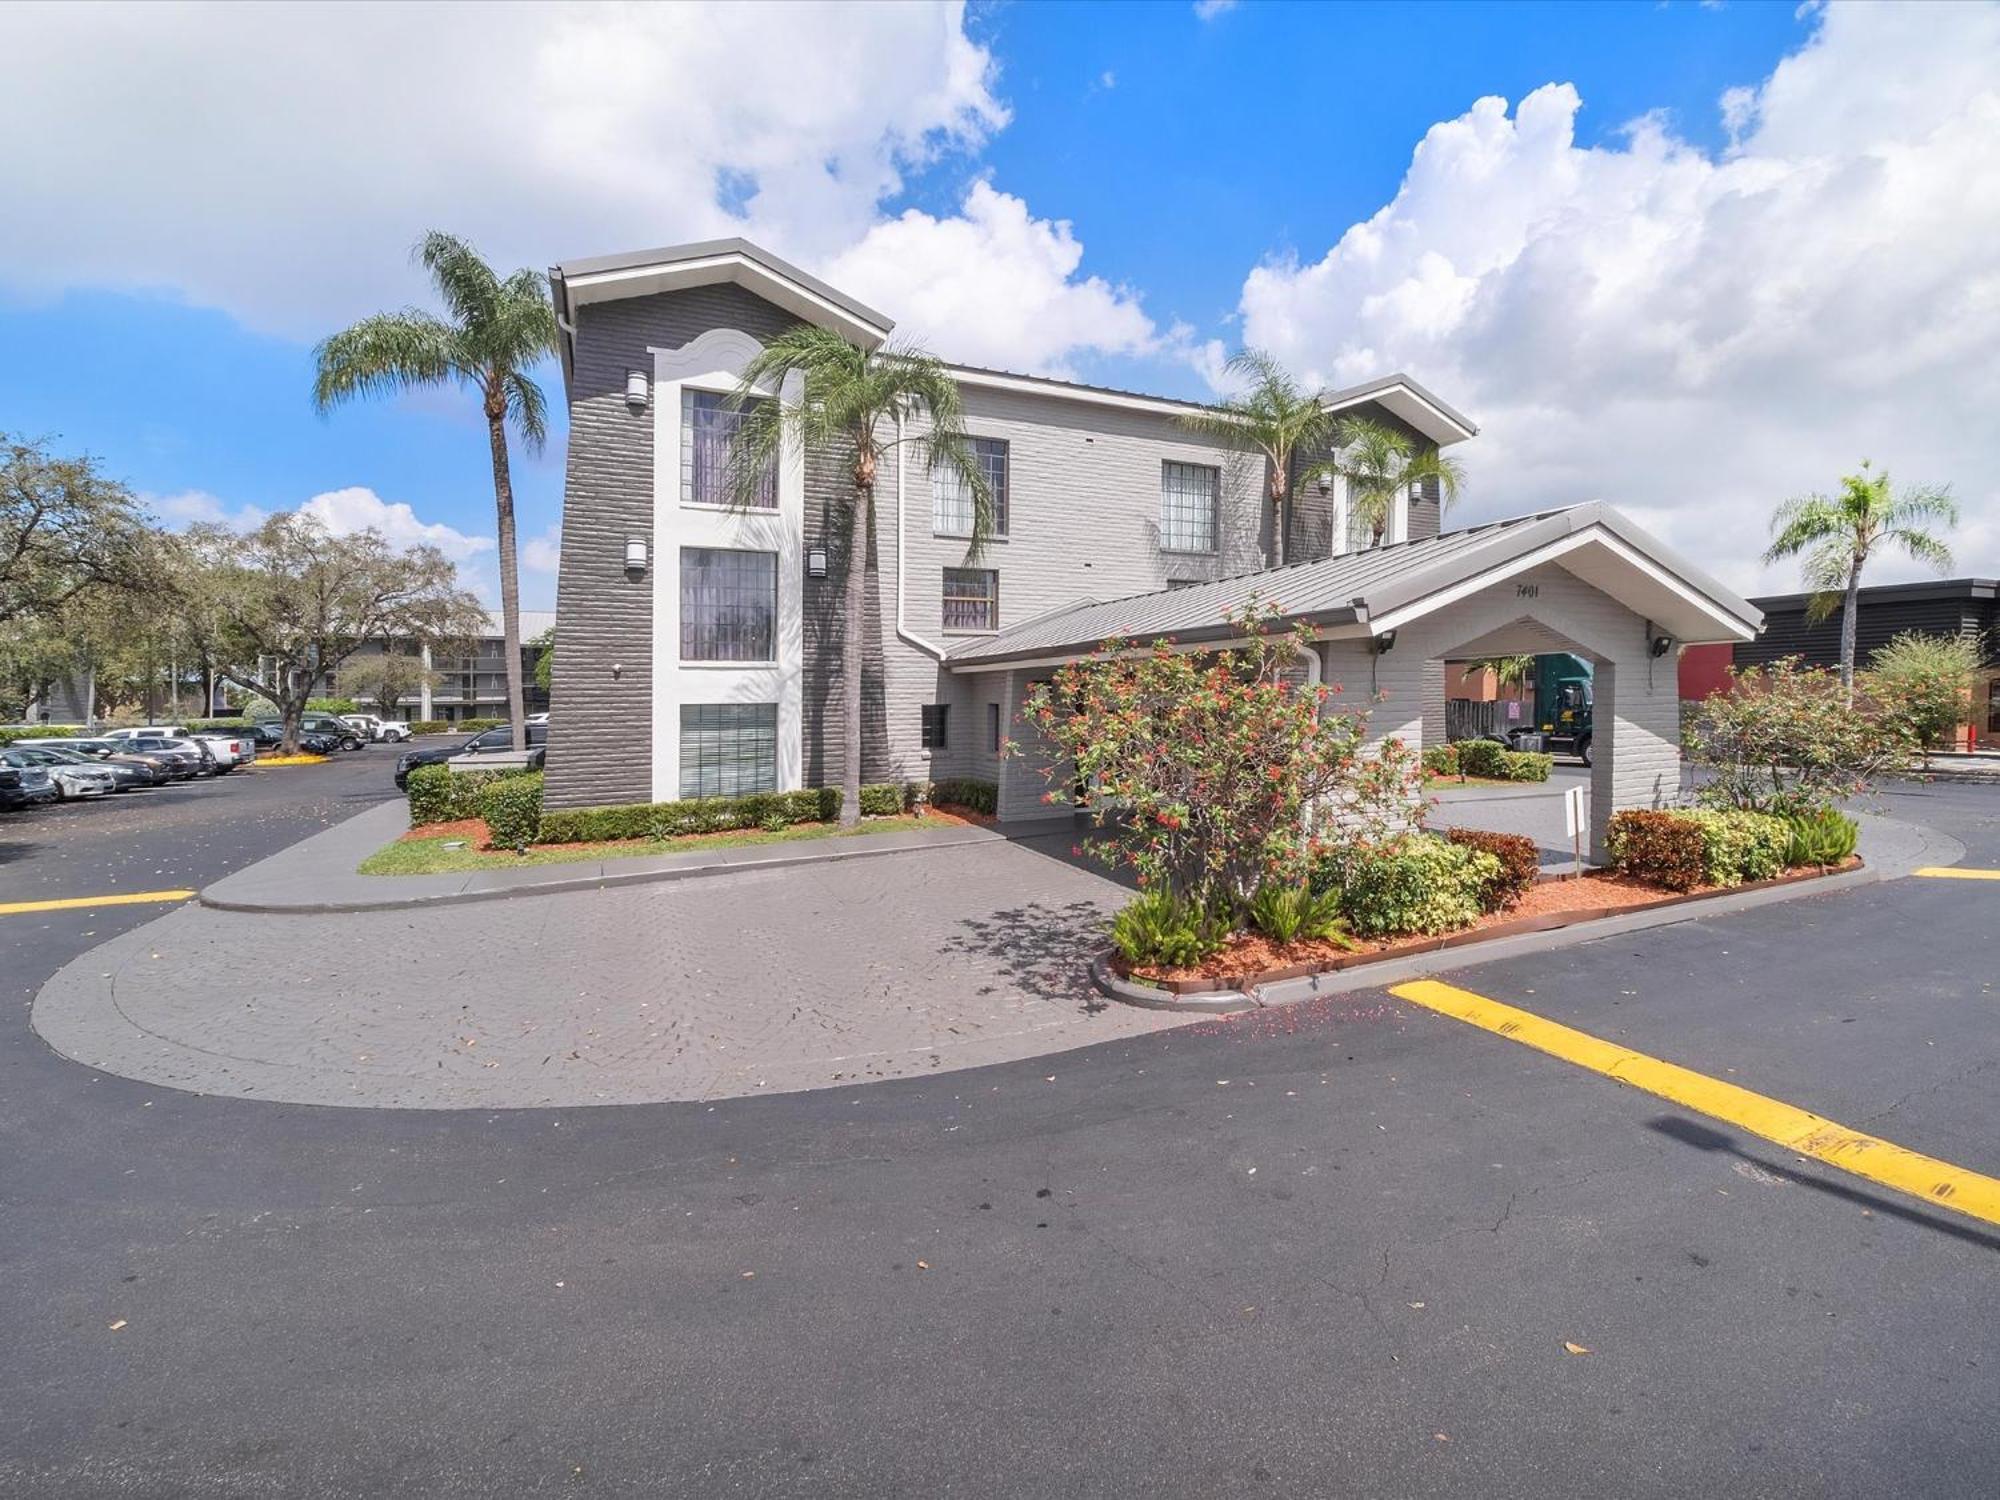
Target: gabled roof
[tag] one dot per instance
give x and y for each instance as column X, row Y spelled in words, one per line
column 1381, row 588
column 640, row 273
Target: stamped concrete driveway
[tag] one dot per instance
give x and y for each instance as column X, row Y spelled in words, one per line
column 761, row 981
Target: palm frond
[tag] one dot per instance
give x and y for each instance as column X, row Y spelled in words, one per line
column 1921, row 546
column 528, row 408
column 1803, row 522
column 470, row 290
column 385, row 353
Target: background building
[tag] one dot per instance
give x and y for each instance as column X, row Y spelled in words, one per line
column 471, row 686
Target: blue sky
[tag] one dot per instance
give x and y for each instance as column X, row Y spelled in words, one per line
column 1182, row 153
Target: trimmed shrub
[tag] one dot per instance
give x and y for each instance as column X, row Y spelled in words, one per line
column 1660, row 848
column 1481, row 758
column 967, row 792
column 1739, row 846
column 430, row 726
column 1525, row 765
column 45, row 732
column 1825, row 837
column 1285, row 912
column 473, row 726
column 1418, row 884
column 334, row 706
column 642, row 820
column 1441, row 760
column 512, row 808
column 1519, row 858
column 883, row 799
column 430, row 795
column 222, row 726
column 1158, row 927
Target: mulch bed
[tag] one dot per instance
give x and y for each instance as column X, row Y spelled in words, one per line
column 474, row 832
column 1554, row 901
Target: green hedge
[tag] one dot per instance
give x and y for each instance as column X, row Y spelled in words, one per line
column 968, row 792
column 1417, row 884
column 430, row 726
column 1441, row 760
column 1480, row 757
column 656, row 820
column 512, row 808
column 473, row 726
column 1660, row 848
column 1525, row 765
column 438, row 794
column 1682, row 848
column 46, row 732
column 221, row 726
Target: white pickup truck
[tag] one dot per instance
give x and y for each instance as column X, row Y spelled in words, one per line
column 381, row 731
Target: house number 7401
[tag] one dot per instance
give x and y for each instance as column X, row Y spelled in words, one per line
column 1527, row 590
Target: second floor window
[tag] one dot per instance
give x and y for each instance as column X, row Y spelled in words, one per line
column 951, row 496
column 1188, row 495
column 729, row 604
column 708, row 429
column 971, row 599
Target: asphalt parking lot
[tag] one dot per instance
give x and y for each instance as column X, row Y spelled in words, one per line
column 1351, row 1247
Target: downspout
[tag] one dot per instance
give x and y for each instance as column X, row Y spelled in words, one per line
column 903, row 631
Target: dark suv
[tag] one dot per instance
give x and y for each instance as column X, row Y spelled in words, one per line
column 486, row 742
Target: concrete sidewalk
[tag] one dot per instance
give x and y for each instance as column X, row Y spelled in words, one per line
column 318, row 874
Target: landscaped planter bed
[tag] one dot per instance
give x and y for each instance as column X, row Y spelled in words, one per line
column 1555, row 901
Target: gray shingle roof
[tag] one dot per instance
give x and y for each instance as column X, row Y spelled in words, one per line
column 1332, row 591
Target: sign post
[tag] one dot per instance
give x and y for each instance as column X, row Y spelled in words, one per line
column 1573, row 819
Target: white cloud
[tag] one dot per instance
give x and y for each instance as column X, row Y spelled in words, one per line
column 358, row 508
column 993, row 285
column 1693, row 337
column 199, row 507
column 1208, row 10
column 543, row 554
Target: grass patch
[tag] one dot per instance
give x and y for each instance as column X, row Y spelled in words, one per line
column 422, row 851
column 1446, row 783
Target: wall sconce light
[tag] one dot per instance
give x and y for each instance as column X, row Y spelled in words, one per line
column 1416, row 489
column 1325, row 482
column 635, row 554
column 637, row 390
column 816, row 562
column 1385, row 643
column 1662, row 644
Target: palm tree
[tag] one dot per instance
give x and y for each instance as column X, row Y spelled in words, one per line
column 850, row 403
column 497, row 331
column 1837, row 535
column 1508, row 671
column 1278, row 418
column 1380, row 462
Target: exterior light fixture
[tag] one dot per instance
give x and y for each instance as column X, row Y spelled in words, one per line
column 1416, row 489
column 816, row 562
column 637, row 390
column 635, row 554
column 1662, row 644
column 1385, row 643
column 1325, row 482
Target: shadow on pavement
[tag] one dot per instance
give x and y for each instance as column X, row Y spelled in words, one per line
column 1044, row 949
column 1706, row 1138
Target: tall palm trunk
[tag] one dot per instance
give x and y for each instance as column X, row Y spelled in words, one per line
column 1850, row 614
column 853, row 647
column 510, row 581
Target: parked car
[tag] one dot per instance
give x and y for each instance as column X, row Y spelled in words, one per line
column 72, row 780
column 152, row 769
column 487, row 742
column 344, row 736
column 126, row 775
column 184, row 757
column 379, row 731
column 24, row 786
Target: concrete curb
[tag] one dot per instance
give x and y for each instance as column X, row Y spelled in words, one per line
column 316, row 876
column 1895, row 848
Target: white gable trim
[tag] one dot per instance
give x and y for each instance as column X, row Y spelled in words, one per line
column 728, row 267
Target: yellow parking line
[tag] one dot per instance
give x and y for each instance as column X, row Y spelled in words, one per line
column 123, row 898
column 1956, row 872
column 1795, row 1129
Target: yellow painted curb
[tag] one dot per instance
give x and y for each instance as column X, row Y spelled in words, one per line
column 289, row 760
column 1925, row 1177
column 127, row 898
column 1956, row 872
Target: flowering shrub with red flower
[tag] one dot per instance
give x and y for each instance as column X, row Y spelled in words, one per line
column 1212, row 773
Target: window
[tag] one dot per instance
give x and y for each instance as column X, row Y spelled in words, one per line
column 993, row 727
column 728, row 749
column 708, row 427
column 1187, row 507
column 951, row 496
column 935, row 734
column 971, row 599
column 729, row 604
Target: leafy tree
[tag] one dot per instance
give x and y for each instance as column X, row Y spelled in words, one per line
column 498, row 330
column 1925, row 682
column 387, row 677
column 1837, row 535
column 1785, row 739
column 1217, row 772
column 66, row 532
column 850, row 402
column 299, row 601
column 1508, row 671
column 1278, row 418
column 545, row 658
column 1380, row 463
